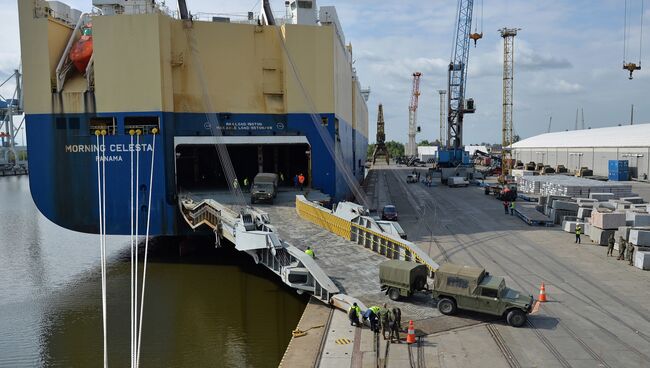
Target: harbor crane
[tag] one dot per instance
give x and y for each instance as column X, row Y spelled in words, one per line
column 457, row 105
column 508, row 35
column 412, row 147
column 380, row 147
column 628, row 65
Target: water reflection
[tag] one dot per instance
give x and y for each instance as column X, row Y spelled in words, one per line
column 211, row 308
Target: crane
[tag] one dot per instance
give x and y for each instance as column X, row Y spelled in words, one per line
column 627, row 65
column 380, row 147
column 412, row 149
column 457, row 105
column 508, row 35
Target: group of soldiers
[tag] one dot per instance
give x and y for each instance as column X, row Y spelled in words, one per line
column 623, row 246
column 390, row 320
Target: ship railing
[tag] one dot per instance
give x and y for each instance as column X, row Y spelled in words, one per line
column 364, row 231
column 65, row 64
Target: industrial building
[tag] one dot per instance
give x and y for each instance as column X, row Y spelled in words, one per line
column 592, row 148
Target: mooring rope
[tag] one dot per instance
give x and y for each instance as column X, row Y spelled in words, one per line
column 146, row 244
column 101, row 198
column 131, row 148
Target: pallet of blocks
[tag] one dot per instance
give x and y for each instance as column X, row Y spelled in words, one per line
column 573, row 187
column 603, row 224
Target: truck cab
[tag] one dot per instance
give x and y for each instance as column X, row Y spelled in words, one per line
column 265, row 188
column 471, row 288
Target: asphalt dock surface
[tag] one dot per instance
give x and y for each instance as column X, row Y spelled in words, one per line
column 598, row 313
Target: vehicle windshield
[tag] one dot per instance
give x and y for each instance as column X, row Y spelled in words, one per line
column 265, row 187
column 389, row 209
column 509, row 293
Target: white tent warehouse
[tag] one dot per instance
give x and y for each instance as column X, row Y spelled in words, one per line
column 592, row 148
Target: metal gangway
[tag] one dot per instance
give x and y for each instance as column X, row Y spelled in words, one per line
column 251, row 231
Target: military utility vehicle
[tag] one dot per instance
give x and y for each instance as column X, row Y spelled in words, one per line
column 471, row 288
column 265, row 187
column 402, row 278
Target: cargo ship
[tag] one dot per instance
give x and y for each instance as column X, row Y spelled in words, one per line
column 131, row 66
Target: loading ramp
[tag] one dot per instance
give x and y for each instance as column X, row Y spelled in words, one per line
column 251, row 231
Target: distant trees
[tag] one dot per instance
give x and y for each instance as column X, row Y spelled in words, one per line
column 395, row 149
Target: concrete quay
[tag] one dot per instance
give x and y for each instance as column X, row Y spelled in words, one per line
column 598, row 314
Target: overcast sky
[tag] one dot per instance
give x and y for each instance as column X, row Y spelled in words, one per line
column 568, row 55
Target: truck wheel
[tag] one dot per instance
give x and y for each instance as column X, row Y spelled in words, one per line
column 516, row 318
column 447, row 306
column 393, row 294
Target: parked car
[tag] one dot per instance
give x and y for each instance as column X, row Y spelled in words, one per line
column 389, row 213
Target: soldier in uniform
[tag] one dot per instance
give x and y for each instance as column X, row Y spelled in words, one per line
column 610, row 245
column 630, row 254
column 621, row 248
column 384, row 319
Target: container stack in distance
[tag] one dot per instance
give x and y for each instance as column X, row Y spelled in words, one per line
column 570, row 186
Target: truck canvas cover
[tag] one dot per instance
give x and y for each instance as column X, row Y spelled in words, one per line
column 266, row 178
column 400, row 272
column 458, row 277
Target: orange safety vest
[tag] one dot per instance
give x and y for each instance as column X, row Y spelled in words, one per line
column 301, row 179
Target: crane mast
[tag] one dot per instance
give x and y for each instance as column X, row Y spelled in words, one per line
column 457, row 106
column 508, row 35
column 413, row 115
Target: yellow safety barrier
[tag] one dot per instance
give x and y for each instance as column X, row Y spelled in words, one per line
column 386, row 246
column 323, row 218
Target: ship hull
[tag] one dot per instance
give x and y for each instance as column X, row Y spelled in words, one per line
column 64, row 156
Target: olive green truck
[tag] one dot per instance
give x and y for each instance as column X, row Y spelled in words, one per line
column 457, row 287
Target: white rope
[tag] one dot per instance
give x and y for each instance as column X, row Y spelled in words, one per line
column 131, row 148
column 101, row 199
column 104, row 245
column 146, row 244
column 137, row 223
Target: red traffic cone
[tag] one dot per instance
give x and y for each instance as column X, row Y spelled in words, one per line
column 542, row 293
column 410, row 336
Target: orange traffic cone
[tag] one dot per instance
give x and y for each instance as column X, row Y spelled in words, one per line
column 410, row 336
column 542, row 293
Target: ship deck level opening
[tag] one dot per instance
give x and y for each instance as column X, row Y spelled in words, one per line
column 198, row 166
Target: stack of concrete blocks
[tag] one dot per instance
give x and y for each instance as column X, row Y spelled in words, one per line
column 633, row 200
column 620, row 205
column 640, row 240
column 585, row 206
column 548, row 200
column 571, row 186
column 603, row 224
column 601, row 197
column 642, row 259
column 561, row 209
column 637, row 218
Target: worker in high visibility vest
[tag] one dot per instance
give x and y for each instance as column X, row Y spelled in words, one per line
column 354, row 313
column 301, row 181
column 310, row 252
column 246, row 183
column 578, row 233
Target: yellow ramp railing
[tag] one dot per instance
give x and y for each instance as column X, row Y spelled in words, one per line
column 321, row 217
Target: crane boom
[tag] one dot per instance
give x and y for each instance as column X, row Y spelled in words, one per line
column 413, row 109
column 457, row 75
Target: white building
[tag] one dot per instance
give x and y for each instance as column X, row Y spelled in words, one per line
column 592, row 148
column 427, row 152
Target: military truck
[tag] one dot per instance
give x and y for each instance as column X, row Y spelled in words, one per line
column 471, row 288
column 265, row 187
column 402, row 278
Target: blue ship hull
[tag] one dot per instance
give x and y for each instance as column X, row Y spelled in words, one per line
column 63, row 164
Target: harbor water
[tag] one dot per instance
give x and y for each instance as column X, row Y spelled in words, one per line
column 204, row 308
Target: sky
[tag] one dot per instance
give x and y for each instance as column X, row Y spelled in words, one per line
column 568, row 56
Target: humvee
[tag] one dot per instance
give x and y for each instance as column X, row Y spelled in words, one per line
column 402, row 278
column 471, row 288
